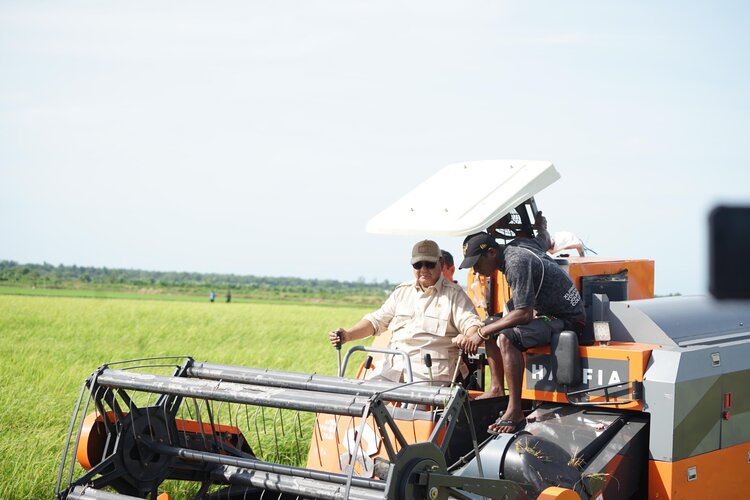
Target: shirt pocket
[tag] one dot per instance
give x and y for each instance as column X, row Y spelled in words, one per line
column 435, row 321
column 401, row 317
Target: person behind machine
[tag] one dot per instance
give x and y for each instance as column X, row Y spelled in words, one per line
column 538, row 239
column 544, row 301
column 449, row 267
column 564, row 241
column 424, row 316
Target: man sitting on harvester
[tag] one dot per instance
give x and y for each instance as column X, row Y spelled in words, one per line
column 534, row 237
column 424, row 316
column 544, row 301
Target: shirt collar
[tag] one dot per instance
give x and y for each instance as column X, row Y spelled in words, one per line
column 438, row 286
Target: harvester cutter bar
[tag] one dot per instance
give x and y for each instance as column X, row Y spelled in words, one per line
column 389, row 391
column 285, row 478
column 88, row 493
column 291, row 399
column 304, row 488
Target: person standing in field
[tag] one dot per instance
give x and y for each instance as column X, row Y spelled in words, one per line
column 229, row 296
column 212, row 296
column 424, row 315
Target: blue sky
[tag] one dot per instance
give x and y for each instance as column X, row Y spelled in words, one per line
column 259, row 137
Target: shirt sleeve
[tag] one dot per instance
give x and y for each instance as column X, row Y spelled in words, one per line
column 381, row 318
column 464, row 314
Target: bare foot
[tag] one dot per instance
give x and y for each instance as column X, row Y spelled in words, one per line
column 491, row 393
column 508, row 422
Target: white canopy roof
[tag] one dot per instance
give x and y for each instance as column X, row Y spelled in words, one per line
column 464, row 198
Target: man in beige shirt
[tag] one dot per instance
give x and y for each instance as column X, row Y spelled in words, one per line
column 424, row 315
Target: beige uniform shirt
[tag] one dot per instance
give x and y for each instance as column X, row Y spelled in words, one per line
column 423, row 321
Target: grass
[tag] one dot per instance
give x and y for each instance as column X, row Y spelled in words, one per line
column 163, row 294
column 576, row 462
column 51, row 344
column 522, row 446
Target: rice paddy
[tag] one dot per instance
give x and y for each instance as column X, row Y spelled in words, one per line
column 51, row 344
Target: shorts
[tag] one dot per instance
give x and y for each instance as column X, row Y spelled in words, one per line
column 537, row 332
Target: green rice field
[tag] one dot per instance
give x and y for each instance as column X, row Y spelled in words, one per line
column 51, row 344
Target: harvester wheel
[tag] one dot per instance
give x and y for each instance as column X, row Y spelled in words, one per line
column 133, row 468
column 144, row 469
column 409, row 463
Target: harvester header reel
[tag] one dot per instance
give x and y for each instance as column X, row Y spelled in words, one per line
column 140, row 423
column 212, row 431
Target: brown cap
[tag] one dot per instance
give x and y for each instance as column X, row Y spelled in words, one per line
column 425, row 250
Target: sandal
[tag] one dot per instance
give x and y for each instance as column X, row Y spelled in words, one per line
column 501, row 422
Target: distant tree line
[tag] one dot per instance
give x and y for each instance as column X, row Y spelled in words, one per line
column 62, row 276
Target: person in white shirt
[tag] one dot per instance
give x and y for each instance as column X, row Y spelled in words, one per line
column 423, row 315
column 565, row 240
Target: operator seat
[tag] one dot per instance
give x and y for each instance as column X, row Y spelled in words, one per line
column 566, row 359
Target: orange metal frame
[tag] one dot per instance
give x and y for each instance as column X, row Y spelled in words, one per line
column 719, row 474
column 333, row 440
column 640, row 279
column 640, row 273
column 91, row 444
column 636, row 355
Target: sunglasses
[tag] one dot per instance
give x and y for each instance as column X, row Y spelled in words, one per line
column 428, row 265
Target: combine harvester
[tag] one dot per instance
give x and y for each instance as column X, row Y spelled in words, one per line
column 657, row 405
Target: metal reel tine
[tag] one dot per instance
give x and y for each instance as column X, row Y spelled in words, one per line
column 237, row 424
column 198, row 418
column 316, row 426
column 298, row 423
column 237, row 415
column 296, row 440
column 185, row 405
column 218, row 415
column 210, row 411
column 257, row 434
column 148, row 415
column 166, row 419
column 275, row 435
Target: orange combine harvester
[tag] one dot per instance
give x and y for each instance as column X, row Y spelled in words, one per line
column 653, row 405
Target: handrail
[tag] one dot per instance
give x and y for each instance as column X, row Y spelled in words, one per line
column 407, row 362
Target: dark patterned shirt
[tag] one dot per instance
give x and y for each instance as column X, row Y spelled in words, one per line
column 550, row 293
